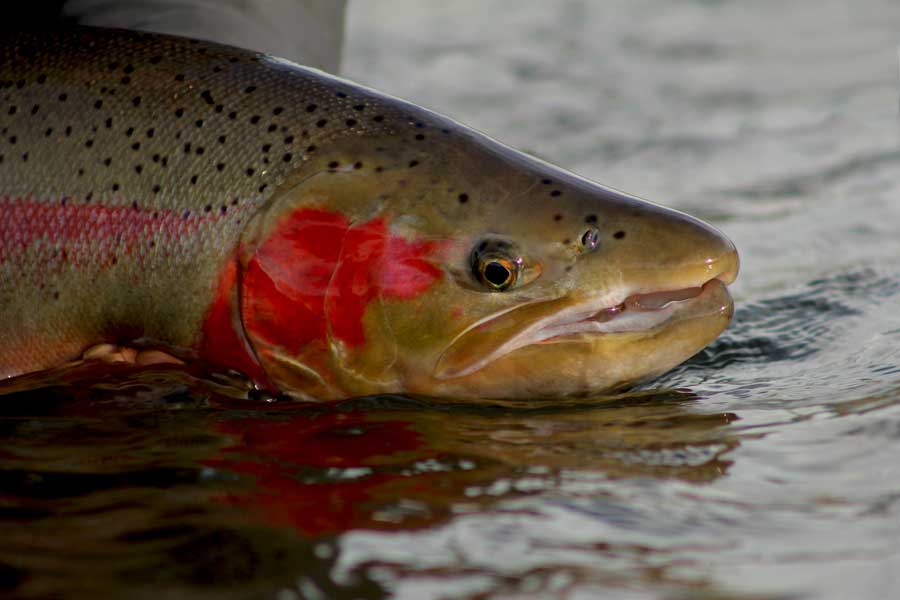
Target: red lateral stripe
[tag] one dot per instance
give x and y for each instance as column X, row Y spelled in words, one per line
column 90, row 234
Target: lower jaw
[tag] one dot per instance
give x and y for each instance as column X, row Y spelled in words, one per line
column 592, row 364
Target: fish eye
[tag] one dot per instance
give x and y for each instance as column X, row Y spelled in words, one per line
column 591, row 239
column 493, row 266
column 497, row 273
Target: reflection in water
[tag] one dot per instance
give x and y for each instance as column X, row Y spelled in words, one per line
column 165, row 479
column 319, row 473
column 392, row 462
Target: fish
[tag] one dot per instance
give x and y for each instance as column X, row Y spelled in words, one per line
column 225, row 207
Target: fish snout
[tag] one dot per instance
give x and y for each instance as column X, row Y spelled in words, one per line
column 648, row 248
column 701, row 248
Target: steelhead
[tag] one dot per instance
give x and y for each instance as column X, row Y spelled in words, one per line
column 321, row 238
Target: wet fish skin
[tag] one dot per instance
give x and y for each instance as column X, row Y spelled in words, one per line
column 309, row 232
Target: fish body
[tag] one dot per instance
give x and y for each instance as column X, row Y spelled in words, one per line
column 320, row 237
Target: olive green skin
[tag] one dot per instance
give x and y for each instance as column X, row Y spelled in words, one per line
column 211, row 146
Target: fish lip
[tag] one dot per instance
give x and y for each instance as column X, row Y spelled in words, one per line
column 638, row 313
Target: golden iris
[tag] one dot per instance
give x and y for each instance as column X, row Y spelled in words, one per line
column 497, row 274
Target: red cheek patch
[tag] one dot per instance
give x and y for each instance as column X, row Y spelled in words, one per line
column 222, row 343
column 407, row 272
column 285, row 282
column 317, row 273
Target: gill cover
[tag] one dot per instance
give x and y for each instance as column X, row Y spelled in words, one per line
column 316, row 275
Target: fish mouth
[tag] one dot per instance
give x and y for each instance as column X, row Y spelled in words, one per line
column 638, row 312
column 564, row 321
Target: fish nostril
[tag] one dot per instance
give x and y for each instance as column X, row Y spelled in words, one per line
column 591, row 239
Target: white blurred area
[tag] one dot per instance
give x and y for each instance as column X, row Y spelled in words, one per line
column 309, row 32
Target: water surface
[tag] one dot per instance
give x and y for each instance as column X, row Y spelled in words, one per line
column 765, row 467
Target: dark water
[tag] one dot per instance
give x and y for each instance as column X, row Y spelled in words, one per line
column 766, row 467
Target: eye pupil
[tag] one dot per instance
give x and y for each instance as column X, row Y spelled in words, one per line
column 497, row 274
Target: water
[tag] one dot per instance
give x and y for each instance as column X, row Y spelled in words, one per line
column 766, row 467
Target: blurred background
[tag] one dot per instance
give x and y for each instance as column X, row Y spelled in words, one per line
column 773, row 119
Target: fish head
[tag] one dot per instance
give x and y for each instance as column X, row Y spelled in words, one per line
column 431, row 259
